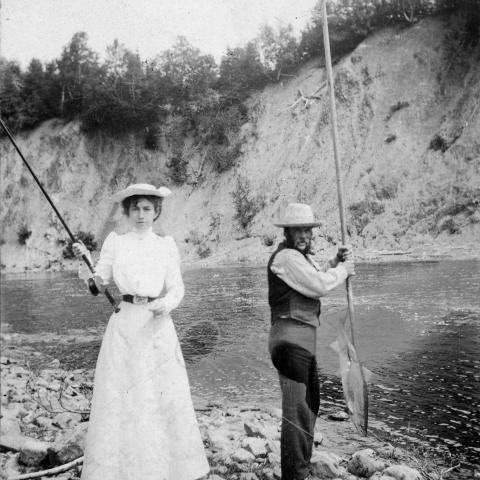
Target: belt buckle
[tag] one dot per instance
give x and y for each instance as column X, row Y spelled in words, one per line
column 139, row 300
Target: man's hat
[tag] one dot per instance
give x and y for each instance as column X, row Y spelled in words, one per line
column 141, row 189
column 298, row 215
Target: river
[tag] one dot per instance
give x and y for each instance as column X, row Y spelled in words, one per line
column 417, row 329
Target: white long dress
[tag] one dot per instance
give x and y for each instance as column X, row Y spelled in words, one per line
column 142, row 421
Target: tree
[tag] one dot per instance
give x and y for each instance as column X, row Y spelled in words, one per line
column 241, row 70
column 38, row 87
column 279, row 50
column 77, row 67
column 190, row 72
column 11, row 85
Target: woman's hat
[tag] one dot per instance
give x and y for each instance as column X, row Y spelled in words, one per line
column 141, row 189
column 298, row 215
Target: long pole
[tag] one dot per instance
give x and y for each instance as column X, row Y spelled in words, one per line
column 351, row 313
column 70, row 234
column 338, row 170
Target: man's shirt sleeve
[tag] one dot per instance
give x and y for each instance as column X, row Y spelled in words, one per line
column 301, row 275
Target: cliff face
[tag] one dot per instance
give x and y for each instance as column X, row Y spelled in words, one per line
column 408, row 106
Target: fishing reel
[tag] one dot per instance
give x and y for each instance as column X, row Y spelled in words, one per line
column 92, row 286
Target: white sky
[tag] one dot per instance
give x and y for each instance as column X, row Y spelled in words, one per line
column 40, row 28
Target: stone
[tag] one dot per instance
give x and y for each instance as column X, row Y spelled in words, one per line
column 11, row 467
column 268, row 474
column 44, row 422
column 219, row 439
column 242, row 456
column 29, row 418
column 9, row 426
column 55, row 363
column 273, row 446
column 69, row 446
column 326, row 465
column 364, row 463
column 275, row 412
column 219, row 469
column 248, row 476
column 387, row 451
column 339, row 416
column 273, row 458
column 402, row 472
column 223, row 458
column 255, row 445
column 66, row 420
column 33, row 452
column 317, row 438
column 277, row 472
column 214, row 476
column 254, row 429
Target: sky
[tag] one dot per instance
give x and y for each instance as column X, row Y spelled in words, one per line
column 40, row 28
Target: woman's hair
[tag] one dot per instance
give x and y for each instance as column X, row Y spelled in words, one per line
column 134, row 199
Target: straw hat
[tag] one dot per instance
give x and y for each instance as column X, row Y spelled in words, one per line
column 298, row 215
column 140, row 189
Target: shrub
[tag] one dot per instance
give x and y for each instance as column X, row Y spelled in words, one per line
column 203, row 250
column 438, row 143
column 23, row 234
column 200, row 242
column 88, row 240
column 363, row 211
column 395, row 108
column 178, row 169
column 268, row 239
column 246, row 206
column 449, row 225
column 385, row 188
column 222, row 157
column 152, row 137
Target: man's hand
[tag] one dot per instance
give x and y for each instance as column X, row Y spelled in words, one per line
column 344, row 253
column 158, row 307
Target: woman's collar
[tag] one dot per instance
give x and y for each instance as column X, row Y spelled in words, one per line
column 141, row 234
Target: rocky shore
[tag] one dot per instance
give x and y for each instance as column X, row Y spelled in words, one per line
column 44, row 418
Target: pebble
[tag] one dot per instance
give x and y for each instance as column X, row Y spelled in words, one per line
column 242, row 443
column 339, row 416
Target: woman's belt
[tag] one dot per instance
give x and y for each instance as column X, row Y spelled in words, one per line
column 137, row 299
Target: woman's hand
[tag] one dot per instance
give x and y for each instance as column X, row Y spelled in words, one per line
column 158, row 307
column 79, row 249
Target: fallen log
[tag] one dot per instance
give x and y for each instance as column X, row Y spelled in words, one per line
column 50, row 471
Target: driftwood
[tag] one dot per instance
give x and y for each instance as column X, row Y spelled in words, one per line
column 50, row 471
column 393, row 252
column 307, row 99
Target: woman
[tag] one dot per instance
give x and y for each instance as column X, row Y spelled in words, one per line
column 142, row 422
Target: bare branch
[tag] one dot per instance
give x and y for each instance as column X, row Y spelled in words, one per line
column 50, row 471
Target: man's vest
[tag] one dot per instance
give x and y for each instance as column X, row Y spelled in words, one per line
column 285, row 302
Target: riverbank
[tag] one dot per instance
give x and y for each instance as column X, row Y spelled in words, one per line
column 45, row 416
column 246, row 252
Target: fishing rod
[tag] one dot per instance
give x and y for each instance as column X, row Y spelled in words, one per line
column 91, row 284
column 341, row 207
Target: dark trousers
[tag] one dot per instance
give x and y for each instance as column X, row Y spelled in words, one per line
column 298, row 373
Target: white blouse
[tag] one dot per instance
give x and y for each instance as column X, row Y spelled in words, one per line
column 142, row 264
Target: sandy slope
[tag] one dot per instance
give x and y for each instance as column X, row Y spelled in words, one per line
column 398, row 91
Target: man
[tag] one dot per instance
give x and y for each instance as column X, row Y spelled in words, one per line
column 295, row 285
